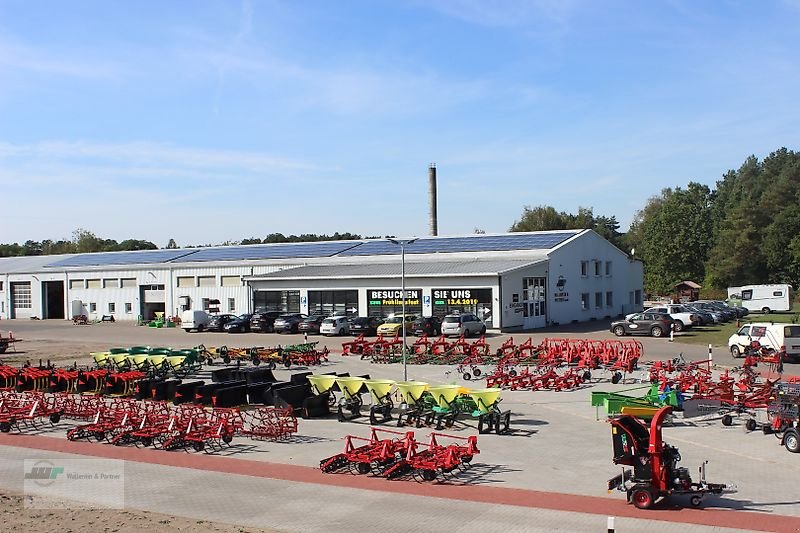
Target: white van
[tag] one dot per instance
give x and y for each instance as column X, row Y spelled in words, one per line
column 194, row 320
column 768, row 334
column 763, row 298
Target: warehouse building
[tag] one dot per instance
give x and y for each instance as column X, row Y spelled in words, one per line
column 515, row 280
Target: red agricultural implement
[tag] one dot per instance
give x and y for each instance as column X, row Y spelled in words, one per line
column 267, row 423
column 655, row 472
column 26, row 410
column 435, row 460
column 376, row 455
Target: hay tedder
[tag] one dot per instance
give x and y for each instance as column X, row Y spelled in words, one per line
column 655, row 472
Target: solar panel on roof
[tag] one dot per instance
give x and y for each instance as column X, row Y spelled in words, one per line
column 121, row 258
column 494, row 243
column 272, row 251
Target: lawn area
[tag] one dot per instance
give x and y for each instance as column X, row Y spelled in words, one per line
column 718, row 334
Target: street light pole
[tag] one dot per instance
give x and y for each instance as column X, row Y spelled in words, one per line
column 403, row 243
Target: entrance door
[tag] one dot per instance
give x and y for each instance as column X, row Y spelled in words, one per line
column 53, row 299
column 534, row 301
column 153, row 301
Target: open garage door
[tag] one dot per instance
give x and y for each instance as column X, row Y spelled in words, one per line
column 53, row 299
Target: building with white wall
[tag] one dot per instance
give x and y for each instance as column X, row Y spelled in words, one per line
column 516, row 280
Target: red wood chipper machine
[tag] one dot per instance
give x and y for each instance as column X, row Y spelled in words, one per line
column 655, row 473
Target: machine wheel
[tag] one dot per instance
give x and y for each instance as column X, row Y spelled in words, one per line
column 642, row 497
column 678, row 326
column 146, row 442
column 656, row 331
column 512, row 372
column 5, row 427
column 272, row 365
column 227, row 438
column 363, row 468
column 428, row 475
column 55, row 417
column 736, row 352
column 791, row 441
column 750, row 424
column 503, row 425
column 99, row 436
column 467, row 376
column 766, row 310
column 727, row 420
column 476, row 372
column 619, row 331
column 587, row 376
column 616, row 378
column 198, row 446
column 696, row 500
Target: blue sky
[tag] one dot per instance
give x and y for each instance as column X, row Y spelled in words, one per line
column 211, row 120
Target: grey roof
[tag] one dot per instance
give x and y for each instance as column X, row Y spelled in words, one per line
column 527, row 242
column 28, row 263
column 388, row 270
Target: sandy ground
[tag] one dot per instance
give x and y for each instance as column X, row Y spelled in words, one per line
column 15, row 517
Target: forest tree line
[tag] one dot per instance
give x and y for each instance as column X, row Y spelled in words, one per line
column 745, row 230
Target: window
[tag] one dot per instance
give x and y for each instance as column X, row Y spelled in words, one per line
column 584, row 268
column 93, row 284
column 283, row 301
column 111, row 283
column 76, row 284
column 128, row 308
column 231, row 305
column 206, row 281
column 608, row 268
column 585, row 301
column 598, row 300
column 330, row 302
column 598, row 266
column 93, row 307
column 185, row 281
column 747, row 295
column 609, row 299
column 231, row 281
column 637, row 296
column 112, row 307
column 128, row 283
column 1, row 285
column 777, row 293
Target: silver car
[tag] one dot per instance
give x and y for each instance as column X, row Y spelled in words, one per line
column 335, row 325
column 465, row 324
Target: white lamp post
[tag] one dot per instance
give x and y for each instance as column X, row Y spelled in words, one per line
column 402, row 243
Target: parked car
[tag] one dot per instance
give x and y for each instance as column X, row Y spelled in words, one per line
column 194, row 320
column 289, row 322
column 368, row 325
column 217, row 322
column 769, row 335
column 705, row 318
column 682, row 317
column 335, row 325
column 394, row 324
column 263, row 321
column 465, row 324
column 311, row 324
column 653, row 324
column 240, row 324
column 427, row 325
column 719, row 316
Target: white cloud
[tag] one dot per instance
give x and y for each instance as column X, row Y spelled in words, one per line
column 542, row 14
column 16, row 55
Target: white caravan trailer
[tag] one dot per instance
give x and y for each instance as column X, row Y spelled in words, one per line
column 763, row 298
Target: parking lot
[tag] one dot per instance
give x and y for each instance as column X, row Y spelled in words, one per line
column 549, row 474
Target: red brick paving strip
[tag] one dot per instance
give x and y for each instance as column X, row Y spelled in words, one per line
column 759, row 521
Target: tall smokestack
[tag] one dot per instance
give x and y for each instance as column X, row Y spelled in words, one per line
column 433, row 221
